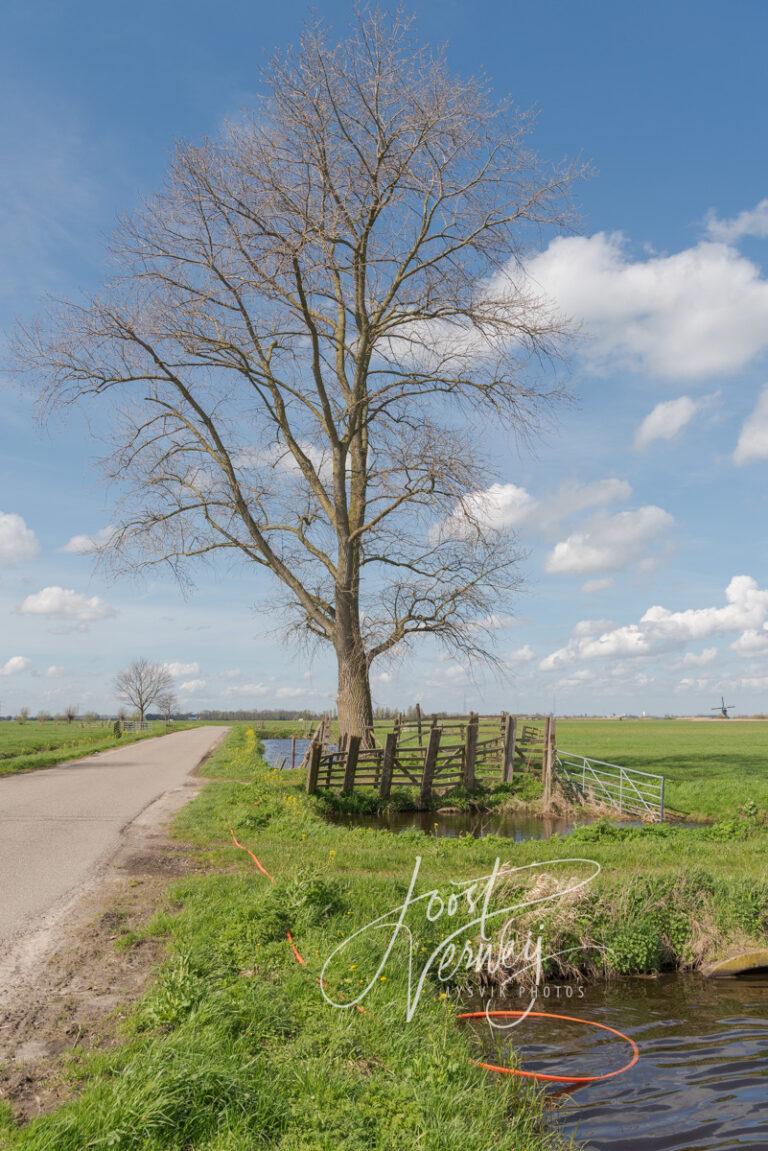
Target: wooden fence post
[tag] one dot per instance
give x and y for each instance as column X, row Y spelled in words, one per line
column 388, row 765
column 470, row 752
column 314, row 767
column 548, row 762
column 430, row 763
column 418, row 721
column 508, row 764
column 293, row 752
column 353, row 750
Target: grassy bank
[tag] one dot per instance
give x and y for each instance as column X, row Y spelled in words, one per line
column 234, row 1048
column 36, row 744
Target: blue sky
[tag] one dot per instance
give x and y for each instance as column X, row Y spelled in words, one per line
column 643, row 510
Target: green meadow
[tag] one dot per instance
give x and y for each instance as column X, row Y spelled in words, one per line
column 714, row 769
column 43, row 743
column 233, row 1048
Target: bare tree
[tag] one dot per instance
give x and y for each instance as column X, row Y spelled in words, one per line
column 23, row 715
column 313, row 324
column 167, row 704
column 70, row 712
column 143, row 683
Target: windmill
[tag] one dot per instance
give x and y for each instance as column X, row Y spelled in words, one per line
column 724, row 708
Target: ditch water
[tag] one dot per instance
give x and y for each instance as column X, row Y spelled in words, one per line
column 702, row 1080
column 517, row 826
column 451, row 824
column 278, row 750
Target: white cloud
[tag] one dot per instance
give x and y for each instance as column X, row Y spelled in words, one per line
column 84, row 545
column 523, row 654
column 689, row 315
column 752, row 642
column 55, row 672
column 594, row 585
column 571, row 498
column 610, row 542
column 192, row 686
column 249, row 689
column 231, row 673
column 509, row 506
column 753, row 439
column 698, row 684
column 179, row 669
column 15, row 665
column 17, row 542
column 666, row 421
column 700, row 658
column 64, row 603
column 593, row 626
column 752, row 222
column 661, row 630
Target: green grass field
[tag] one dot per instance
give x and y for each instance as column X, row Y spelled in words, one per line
column 25, row 746
column 713, row 769
column 233, row 1048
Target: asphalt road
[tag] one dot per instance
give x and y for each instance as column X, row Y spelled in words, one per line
column 60, row 825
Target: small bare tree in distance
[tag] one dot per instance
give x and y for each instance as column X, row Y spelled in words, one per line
column 143, row 683
column 70, row 712
column 312, row 326
column 167, row 704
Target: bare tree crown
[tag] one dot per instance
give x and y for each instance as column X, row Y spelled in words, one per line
column 305, row 321
column 143, row 683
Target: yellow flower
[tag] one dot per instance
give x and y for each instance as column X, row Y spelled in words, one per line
column 382, row 979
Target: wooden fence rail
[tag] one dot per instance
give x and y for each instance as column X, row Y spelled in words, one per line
column 436, row 756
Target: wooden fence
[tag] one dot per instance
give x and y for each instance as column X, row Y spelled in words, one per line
column 436, row 756
column 429, row 754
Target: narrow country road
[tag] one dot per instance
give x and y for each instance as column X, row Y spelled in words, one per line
column 58, row 825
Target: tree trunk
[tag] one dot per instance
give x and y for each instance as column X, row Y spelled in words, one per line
column 354, row 697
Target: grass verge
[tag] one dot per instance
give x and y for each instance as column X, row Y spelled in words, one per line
column 37, row 749
column 234, row 1049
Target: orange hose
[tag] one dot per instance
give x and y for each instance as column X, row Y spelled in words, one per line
column 537, row 1075
column 296, row 953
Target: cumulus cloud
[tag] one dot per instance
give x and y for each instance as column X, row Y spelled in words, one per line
column 15, row 665
column 595, row 585
column 523, row 654
column 752, row 642
column 660, row 629
column 751, row 222
column 192, row 686
column 689, row 315
column 753, row 439
column 610, row 543
column 55, row 672
column 17, row 542
column 666, row 421
column 249, row 689
column 84, row 545
column 179, row 669
column 509, row 506
column 699, row 658
column 65, row 603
